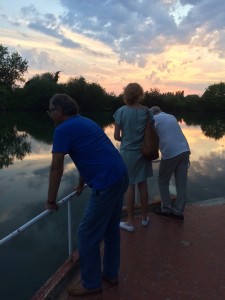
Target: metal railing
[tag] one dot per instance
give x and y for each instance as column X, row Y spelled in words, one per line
column 19, row 230
column 67, row 199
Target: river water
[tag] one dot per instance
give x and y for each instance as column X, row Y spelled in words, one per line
column 25, row 154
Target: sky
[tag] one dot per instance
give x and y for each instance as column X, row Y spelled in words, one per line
column 171, row 45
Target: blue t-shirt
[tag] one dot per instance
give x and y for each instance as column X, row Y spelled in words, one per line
column 94, row 155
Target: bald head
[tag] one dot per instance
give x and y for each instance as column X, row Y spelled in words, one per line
column 155, row 110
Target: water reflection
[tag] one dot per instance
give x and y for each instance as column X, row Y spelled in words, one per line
column 212, row 125
column 15, row 127
column 206, row 177
column 13, row 144
column 14, row 132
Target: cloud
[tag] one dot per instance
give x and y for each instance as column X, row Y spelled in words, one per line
column 164, row 66
column 47, row 24
column 131, row 29
column 134, row 29
column 39, row 60
column 11, row 21
column 205, row 16
column 153, row 77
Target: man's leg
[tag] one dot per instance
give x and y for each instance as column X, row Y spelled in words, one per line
column 97, row 216
column 89, row 238
column 180, row 175
column 111, row 260
column 166, row 169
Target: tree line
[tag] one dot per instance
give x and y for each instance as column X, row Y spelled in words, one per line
column 90, row 96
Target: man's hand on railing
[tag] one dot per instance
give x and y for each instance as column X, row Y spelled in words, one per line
column 79, row 189
column 80, row 186
column 52, row 205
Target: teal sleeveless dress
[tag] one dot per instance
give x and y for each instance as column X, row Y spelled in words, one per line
column 132, row 123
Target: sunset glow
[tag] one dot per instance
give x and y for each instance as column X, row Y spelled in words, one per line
column 170, row 45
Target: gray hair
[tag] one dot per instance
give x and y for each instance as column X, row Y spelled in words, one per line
column 67, row 104
column 155, row 110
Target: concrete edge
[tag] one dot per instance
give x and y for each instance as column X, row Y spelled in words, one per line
column 50, row 288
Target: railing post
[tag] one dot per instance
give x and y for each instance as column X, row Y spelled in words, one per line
column 70, row 243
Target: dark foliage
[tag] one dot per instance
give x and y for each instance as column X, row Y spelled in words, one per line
column 37, row 91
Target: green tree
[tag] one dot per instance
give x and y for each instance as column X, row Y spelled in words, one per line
column 77, row 89
column 5, row 95
column 170, row 102
column 118, row 102
column 214, row 97
column 38, row 90
column 12, row 68
column 96, row 98
column 193, row 103
column 51, row 77
column 152, row 98
column 89, row 96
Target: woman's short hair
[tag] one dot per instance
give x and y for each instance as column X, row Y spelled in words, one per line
column 133, row 93
column 67, row 104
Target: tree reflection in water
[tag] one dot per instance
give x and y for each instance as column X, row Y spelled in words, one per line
column 215, row 128
column 15, row 127
column 13, row 145
column 212, row 125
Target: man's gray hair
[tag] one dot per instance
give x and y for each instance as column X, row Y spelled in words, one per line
column 155, row 110
column 68, row 105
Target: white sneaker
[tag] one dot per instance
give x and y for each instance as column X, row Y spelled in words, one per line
column 145, row 222
column 125, row 226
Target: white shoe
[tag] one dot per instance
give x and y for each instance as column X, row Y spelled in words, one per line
column 125, row 226
column 145, row 222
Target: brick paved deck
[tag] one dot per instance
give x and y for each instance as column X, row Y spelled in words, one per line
column 169, row 260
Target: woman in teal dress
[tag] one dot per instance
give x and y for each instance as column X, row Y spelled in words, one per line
column 130, row 122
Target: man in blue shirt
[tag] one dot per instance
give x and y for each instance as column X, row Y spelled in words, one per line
column 101, row 167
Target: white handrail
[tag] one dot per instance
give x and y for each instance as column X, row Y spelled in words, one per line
column 42, row 215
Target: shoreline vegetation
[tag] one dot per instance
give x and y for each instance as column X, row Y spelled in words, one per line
column 90, row 96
